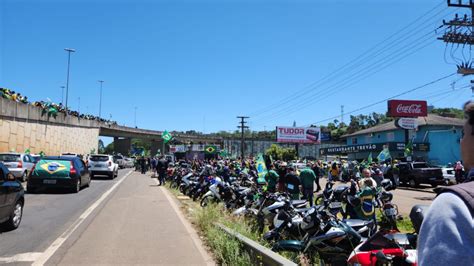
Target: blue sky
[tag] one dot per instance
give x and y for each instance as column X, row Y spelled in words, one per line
column 199, row 64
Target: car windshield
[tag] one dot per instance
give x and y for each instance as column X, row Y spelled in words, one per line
column 99, row 158
column 420, row 165
column 10, row 157
column 118, row 157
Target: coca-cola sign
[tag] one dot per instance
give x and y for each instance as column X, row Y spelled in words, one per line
column 404, row 108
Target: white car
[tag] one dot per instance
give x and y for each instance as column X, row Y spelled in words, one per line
column 120, row 161
column 100, row 164
column 448, row 175
column 19, row 164
column 128, row 162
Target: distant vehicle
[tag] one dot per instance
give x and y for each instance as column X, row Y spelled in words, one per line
column 12, row 199
column 416, row 173
column 120, row 161
column 72, row 155
column 101, row 164
column 19, row 164
column 59, row 172
column 448, row 175
column 128, row 162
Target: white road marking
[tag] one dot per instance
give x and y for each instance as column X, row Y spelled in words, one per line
column 49, row 252
column 187, row 225
column 24, row 257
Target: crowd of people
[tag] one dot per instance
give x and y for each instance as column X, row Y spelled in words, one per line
column 49, row 108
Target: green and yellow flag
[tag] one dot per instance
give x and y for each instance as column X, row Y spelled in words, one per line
column 166, row 136
column 210, row 149
column 261, row 169
column 59, row 168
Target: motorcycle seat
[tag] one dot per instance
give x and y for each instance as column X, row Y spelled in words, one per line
column 298, row 202
column 358, row 222
column 302, row 210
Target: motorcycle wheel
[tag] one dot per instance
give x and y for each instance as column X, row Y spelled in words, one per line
column 205, row 201
column 319, row 200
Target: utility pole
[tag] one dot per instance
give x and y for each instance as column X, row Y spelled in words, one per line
column 460, row 31
column 342, row 113
column 243, row 127
column 100, row 97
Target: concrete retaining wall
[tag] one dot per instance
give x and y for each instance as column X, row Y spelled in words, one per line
column 23, row 126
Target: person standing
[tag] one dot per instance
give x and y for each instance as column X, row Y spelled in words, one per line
column 161, row 168
column 447, row 232
column 292, row 183
column 272, row 178
column 317, row 171
column 307, row 178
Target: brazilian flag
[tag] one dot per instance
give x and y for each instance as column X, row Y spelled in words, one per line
column 261, row 169
column 210, row 149
column 49, row 168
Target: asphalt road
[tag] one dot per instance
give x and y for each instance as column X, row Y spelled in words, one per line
column 129, row 220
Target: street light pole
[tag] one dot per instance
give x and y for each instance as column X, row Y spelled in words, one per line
column 69, row 51
column 135, row 116
column 62, row 94
column 100, row 98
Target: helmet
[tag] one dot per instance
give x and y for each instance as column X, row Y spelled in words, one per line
column 386, row 184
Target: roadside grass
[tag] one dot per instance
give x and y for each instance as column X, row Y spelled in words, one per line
column 226, row 249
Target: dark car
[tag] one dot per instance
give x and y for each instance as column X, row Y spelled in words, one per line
column 12, row 199
column 415, row 173
column 66, row 172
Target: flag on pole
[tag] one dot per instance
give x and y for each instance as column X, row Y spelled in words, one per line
column 261, row 169
column 27, row 151
column 166, row 136
column 384, row 154
column 369, row 159
column 409, row 148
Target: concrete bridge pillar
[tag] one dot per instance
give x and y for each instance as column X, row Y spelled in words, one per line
column 122, row 146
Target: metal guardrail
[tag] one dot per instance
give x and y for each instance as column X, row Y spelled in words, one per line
column 256, row 250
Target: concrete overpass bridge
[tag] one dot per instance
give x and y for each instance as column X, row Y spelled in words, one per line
column 23, row 126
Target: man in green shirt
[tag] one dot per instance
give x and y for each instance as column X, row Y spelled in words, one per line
column 307, row 177
column 272, row 178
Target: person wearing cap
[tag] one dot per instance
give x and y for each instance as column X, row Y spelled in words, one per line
column 447, row 232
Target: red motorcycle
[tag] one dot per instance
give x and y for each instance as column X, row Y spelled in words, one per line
column 390, row 247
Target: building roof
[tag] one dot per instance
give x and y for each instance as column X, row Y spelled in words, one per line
column 430, row 120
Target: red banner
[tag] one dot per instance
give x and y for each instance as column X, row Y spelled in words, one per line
column 403, row 108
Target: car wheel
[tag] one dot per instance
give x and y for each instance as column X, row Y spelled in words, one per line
column 111, row 175
column 434, row 185
column 16, row 216
column 413, row 183
column 24, row 177
column 78, row 186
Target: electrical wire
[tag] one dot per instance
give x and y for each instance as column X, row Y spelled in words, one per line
column 400, row 51
column 390, row 98
column 347, row 65
column 369, row 54
column 365, row 73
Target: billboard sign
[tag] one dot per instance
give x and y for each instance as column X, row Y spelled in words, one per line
column 310, row 135
column 404, row 108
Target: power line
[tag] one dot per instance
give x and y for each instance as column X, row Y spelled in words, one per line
column 361, row 58
column 364, row 73
column 403, row 51
column 392, row 97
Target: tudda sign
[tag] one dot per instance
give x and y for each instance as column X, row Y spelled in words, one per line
column 405, row 108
